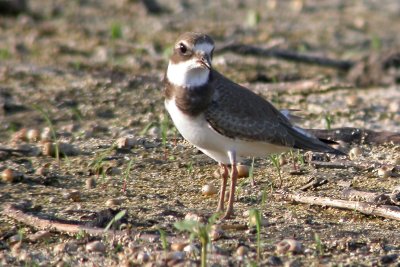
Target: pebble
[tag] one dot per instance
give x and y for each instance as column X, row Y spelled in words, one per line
column 15, row 239
column 289, row 245
column 125, row 142
column 95, row 246
column 191, row 249
column 253, row 221
column 46, row 134
column 242, row 251
column 193, row 217
column 64, row 149
column 355, row 153
column 243, row 171
column 113, row 202
column 384, row 172
column 396, row 161
column 40, row 235
column 209, row 190
column 90, row 183
column 178, row 246
column 274, row 261
column 74, row 195
column 216, row 232
column 20, row 135
column 353, row 100
column 42, row 171
column 33, row 135
column 11, row 176
column 143, row 256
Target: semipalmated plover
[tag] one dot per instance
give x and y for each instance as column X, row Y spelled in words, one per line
column 224, row 120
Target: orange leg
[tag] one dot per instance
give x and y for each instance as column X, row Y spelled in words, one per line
column 234, row 175
column 223, row 187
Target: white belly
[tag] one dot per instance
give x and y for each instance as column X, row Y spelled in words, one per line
column 198, row 132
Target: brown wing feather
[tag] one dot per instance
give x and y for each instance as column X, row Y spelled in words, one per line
column 239, row 113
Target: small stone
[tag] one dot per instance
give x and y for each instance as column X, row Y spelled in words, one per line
column 191, row 249
column 387, row 259
column 143, row 256
column 178, row 246
column 90, row 183
column 40, row 235
column 282, row 161
column 242, row 251
column 243, row 170
column 20, row 135
column 355, row 153
column 113, row 202
column 394, row 107
column 74, row 195
column 64, row 149
column 209, row 190
column 11, row 176
column 59, row 248
column 216, row 232
column 125, row 142
column 46, row 134
column 288, row 245
column 217, row 173
column 384, row 172
column 274, row 261
column 353, row 100
column 253, row 219
column 193, row 217
column 15, row 239
column 396, row 161
column 33, row 135
column 95, row 246
column 42, row 171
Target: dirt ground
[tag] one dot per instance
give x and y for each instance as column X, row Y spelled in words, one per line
column 92, row 71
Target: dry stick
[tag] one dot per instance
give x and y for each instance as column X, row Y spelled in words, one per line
column 19, row 215
column 339, row 164
column 372, row 197
column 303, row 87
column 386, row 211
column 243, row 49
column 357, row 135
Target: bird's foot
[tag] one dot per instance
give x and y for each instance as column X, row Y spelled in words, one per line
column 228, row 215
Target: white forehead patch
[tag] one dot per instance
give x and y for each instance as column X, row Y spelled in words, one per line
column 187, row 73
column 206, row 47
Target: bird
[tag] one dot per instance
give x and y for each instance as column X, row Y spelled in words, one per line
column 223, row 119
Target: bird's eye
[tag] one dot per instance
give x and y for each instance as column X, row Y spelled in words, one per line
column 182, row 48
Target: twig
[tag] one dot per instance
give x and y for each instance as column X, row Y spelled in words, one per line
column 303, row 87
column 17, row 213
column 373, row 197
column 243, row 49
column 18, row 151
column 338, row 165
column 386, row 211
column 357, row 135
column 313, row 183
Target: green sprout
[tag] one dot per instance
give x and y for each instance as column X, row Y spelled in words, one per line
column 116, row 31
column 126, row 174
column 199, row 230
column 116, row 218
column 328, row 120
column 255, row 217
column 277, row 165
column 163, row 237
column 50, row 124
column 318, row 245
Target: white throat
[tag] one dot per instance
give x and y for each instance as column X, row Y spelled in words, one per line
column 187, row 73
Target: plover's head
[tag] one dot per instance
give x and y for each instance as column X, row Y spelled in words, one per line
column 190, row 63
